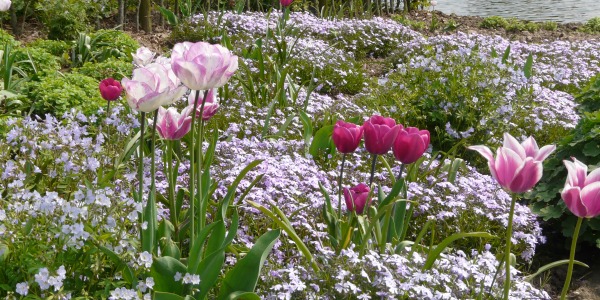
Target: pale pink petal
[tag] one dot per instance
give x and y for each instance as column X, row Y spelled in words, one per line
column 527, row 176
column 506, row 165
column 590, row 197
column 572, row 199
column 531, row 147
column 545, row 152
column 594, row 176
column 511, row 143
column 484, row 151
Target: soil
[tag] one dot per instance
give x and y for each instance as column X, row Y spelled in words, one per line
column 585, row 284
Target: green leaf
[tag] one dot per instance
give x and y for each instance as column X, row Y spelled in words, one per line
column 163, row 271
column 435, row 253
column 322, row 141
column 528, row 66
column 506, row 55
column 244, row 275
column 149, row 234
column 243, row 296
column 195, row 255
column 169, row 15
column 166, row 296
column 591, row 149
column 233, row 187
column 209, row 271
column 127, row 272
column 4, row 251
column 551, row 265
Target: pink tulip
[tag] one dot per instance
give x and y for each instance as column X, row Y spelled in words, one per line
column 356, row 197
column 172, row 125
column 151, row 87
column 346, row 136
column 110, row 89
column 210, row 106
column 142, row 56
column 410, row 144
column 202, row 66
column 582, row 191
column 380, row 134
column 517, row 167
column 286, row 3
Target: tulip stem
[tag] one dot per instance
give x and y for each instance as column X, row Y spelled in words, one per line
column 141, row 168
column 340, row 187
column 401, row 171
column 171, row 178
column 106, row 121
column 507, row 247
column 192, row 178
column 202, row 204
column 565, row 289
column 372, row 170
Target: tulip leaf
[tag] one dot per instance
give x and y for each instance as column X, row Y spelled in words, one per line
column 252, row 184
column 196, row 251
column 149, row 234
column 209, row 271
column 527, row 69
column 127, row 272
column 243, row 296
column 169, row 15
column 506, row 55
column 551, row 265
column 322, row 142
column 4, row 251
column 167, row 296
column 163, row 271
column 244, row 275
column 233, row 187
column 435, row 252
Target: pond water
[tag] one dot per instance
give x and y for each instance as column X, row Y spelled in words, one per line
column 561, row 11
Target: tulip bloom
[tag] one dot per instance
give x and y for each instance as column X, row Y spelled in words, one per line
column 357, row 197
column 410, row 144
column 202, row 66
column 142, row 56
column 582, row 191
column 110, row 89
column 285, row 3
column 517, row 167
column 380, row 134
column 5, row 5
column 346, row 136
column 210, row 105
column 172, row 125
column 151, row 87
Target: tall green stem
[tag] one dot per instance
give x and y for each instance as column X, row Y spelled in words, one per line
column 106, row 123
column 202, row 204
column 340, row 187
column 171, row 178
column 141, row 165
column 372, row 169
column 565, row 289
column 509, row 230
column 192, row 178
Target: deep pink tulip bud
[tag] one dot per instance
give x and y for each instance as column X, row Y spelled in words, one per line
column 210, row 106
column 410, row 144
column 380, row 134
column 202, row 66
column 346, row 136
column 286, row 3
column 110, row 89
column 172, row 125
column 356, row 197
column 582, row 191
column 516, row 167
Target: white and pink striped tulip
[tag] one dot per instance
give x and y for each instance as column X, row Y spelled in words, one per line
column 202, row 66
column 171, row 125
column 152, row 86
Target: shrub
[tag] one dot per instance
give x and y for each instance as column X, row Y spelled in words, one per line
column 549, row 25
column 494, row 22
column 582, row 143
column 111, row 67
column 6, row 37
column 117, row 40
column 63, row 18
column 61, row 93
column 56, row 48
column 589, row 98
column 44, row 62
column 592, row 25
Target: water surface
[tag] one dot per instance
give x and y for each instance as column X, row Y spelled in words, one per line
column 561, row 11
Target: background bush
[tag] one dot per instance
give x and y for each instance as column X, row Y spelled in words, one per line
column 112, row 67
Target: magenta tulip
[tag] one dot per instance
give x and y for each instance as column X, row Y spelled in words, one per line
column 410, row 144
column 517, row 167
column 171, row 125
column 346, row 136
column 380, row 134
column 286, row 3
column 110, row 89
column 151, row 87
column 582, row 191
column 202, row 66
column 210, row 106
column 357, row 197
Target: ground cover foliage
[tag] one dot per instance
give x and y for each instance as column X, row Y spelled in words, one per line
column 68, row 174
